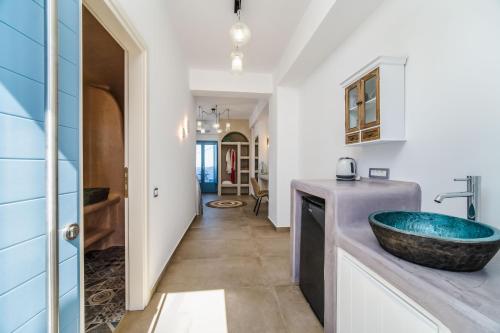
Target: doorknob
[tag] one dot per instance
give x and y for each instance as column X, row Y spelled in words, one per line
column 71, row 231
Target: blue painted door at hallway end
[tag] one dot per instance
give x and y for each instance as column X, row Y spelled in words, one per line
column 22, row 165
column 206, row 165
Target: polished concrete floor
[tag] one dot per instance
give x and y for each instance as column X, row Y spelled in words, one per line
column 234, row 251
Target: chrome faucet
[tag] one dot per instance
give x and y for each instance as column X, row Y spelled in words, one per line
column 472, row 194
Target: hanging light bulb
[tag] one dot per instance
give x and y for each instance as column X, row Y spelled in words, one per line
column 236, row 61
column 219, row 131
column 240, row 33
column 202, row 130
column 216, row 125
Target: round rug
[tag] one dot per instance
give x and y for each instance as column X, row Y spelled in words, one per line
column 225, row 204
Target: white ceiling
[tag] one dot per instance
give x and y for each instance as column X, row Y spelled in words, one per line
column 203, row 26
column 239, row 108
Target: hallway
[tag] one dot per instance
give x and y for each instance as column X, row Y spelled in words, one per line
column 234, row 251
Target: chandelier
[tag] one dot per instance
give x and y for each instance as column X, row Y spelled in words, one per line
column 214, row 113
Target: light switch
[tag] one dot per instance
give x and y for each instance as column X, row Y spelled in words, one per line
column 155, row 192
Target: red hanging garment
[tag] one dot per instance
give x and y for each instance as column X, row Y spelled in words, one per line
column 233, row 166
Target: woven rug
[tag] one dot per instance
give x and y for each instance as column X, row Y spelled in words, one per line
column 225, row 204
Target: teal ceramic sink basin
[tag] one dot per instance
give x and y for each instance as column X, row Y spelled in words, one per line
column 436, row 240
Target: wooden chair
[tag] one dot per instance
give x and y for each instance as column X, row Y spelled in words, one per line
column 259, row 194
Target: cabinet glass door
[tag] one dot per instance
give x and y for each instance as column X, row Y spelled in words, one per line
column 352, row 108
column 370, row 89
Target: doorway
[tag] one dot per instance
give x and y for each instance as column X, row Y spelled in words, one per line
column 103, row 131
column 206, row 165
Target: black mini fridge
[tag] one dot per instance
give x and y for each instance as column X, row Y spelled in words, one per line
column 312, row 253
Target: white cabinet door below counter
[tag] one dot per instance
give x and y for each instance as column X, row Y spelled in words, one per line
column 368, row 304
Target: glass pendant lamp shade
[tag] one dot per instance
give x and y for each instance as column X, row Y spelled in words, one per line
column 240, row 34
column 236, row 61
column 228, row 127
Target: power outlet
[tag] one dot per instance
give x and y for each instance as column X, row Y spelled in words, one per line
column 379, row 173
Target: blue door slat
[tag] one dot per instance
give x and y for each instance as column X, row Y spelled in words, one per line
column 68, row 176
column 72, row 327
column 68, row 209
column 68, row 44
column 68, row 81
column 37, row 324
column 41, row 3
column 20, row 96
column 25, row 180
column 31, row 23
column 70, row 309
column 29, row 214
column 68, row 14
column 68, row 110
column 22, row 303
column 22, row 262
column 66, row 249
column 23, row 56
column 68, row 143
column 68, row 270
column 21, row 138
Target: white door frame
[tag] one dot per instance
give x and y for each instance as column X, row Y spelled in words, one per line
column 114, row 20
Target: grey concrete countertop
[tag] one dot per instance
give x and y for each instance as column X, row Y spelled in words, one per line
column 464, row 302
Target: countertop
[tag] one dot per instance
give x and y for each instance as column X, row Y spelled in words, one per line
column 464, row 302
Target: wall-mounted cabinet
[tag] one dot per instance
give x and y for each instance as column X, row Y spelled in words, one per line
column 375, row 102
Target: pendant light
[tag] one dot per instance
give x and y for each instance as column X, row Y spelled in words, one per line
column 240, row 35
column 239, row 32
column 228, row 124
column 236, row 61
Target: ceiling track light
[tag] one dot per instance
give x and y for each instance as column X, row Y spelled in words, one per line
column 237, row 6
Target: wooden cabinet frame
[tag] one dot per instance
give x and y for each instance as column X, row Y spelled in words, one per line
column 362, row 119
column 356, row 85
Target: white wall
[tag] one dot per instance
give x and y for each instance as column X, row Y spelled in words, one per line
column 225, row 83
column 172, row 158
column 261, row 130
column 283, row 157
column 452, row 99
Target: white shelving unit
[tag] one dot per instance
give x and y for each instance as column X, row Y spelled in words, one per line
column 242, row 184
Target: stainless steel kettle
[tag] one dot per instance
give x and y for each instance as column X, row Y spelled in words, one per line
column 346, row 169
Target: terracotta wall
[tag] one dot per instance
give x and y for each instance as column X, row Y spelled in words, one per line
column 103, row 130
column 103, row 161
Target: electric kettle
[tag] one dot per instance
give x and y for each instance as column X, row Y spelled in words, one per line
column 346, row 169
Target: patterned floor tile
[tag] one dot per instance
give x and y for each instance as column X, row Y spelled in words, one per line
column 104, row 289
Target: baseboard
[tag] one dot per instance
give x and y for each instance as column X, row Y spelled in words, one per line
column 164, row 270
column 278, row 229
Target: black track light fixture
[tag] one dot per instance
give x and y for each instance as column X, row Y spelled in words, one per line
column 237, row 6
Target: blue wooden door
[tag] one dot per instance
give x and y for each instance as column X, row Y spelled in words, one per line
column 206, row 165
column 22, row 165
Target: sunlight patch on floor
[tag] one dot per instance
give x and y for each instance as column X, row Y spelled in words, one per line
column 192, row 312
